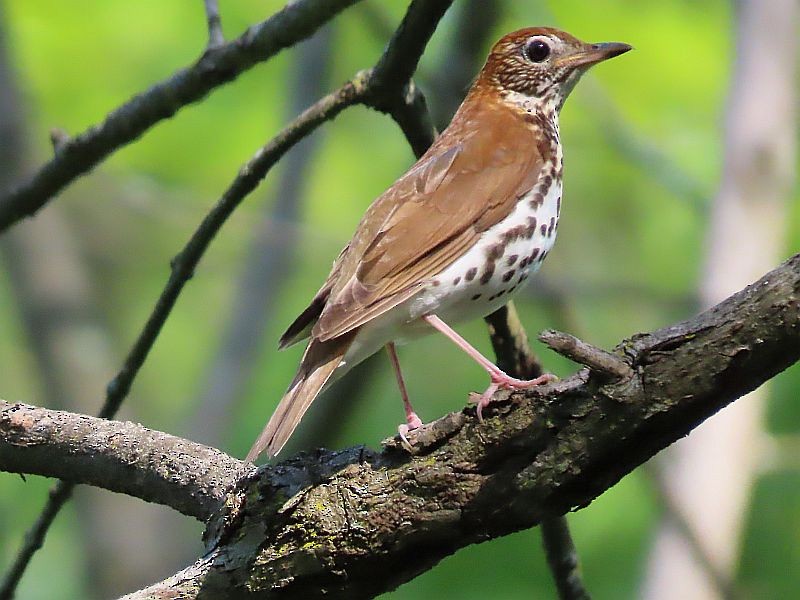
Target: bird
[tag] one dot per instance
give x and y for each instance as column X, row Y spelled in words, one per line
column 455, row 236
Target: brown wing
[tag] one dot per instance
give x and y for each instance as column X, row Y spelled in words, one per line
column 432, row 214
column 300, row 328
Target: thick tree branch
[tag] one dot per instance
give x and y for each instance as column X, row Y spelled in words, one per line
column 355, row 523
column 118, row 456
column 217, row 66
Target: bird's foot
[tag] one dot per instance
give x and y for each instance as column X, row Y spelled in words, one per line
column 501, row 380
column 412, row 422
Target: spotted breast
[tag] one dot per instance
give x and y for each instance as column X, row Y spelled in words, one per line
column 500, row 263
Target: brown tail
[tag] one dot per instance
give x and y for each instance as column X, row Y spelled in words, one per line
column 319, row 362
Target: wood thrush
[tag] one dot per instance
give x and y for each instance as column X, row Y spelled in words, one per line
column 455, row 236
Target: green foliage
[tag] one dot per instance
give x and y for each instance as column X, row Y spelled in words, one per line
column 628, row 257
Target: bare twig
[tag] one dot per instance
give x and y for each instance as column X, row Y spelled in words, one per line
column 597, row 359
column 510, row 343
column 562, row 558
column 34, row 538
column 215, row 36
column 117, row 456
column 217, row 66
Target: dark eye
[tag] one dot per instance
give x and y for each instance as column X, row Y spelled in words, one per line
column 537, row 50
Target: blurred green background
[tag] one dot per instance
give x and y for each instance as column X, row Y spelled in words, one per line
column 643, row 148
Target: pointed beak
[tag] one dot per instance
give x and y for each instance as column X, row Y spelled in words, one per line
column 591, row 54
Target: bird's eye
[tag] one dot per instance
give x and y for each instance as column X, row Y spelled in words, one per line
column 537, row 50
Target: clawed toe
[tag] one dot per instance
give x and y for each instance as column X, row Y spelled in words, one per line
column 413, row 422
column 502, row 381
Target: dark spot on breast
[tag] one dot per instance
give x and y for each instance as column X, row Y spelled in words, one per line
column 543, row 256
column 476, row 296
column 533, row 255
column 470, row 275
column 531, row 228
column 512, row 259
column 495, row 251
column 523, row 263
column 552, row 226
column 558, row 204
column 545, row 183
column 514, row 234
column 537, row 200
column 435, row 283
column 513, row 287
column 543, row 229
column 508, row 275
column 487, row 274
column 456, row 281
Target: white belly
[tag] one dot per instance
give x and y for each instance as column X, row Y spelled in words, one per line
column 497, row 266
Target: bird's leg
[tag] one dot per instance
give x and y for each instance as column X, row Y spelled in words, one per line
column 412, row 420
column 499, row 379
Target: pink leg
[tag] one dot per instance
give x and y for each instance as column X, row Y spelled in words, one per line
column 412, row 420
column 499, row 379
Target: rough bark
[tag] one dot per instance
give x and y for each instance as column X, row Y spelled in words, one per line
column 355, row 523
column 116, row 455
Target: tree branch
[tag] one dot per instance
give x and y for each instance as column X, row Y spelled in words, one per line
column 217, row 66
column 215, row 36
column 562, row 558
column 118, row 456
column 597, row 359
column 356, row 523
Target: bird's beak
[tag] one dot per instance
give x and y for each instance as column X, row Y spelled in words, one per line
column 591, row 54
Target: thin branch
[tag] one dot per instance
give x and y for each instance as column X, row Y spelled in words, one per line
column 118, row 456
column 510, row 343
column 597, row 359
column 34, row 538
column 562, row 558
column 215, row 36
column 217, row 66
column 356, row 523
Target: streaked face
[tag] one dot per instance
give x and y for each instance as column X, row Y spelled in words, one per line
column 546, row 64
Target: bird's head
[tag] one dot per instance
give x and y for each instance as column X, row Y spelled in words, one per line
column 541, row 65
